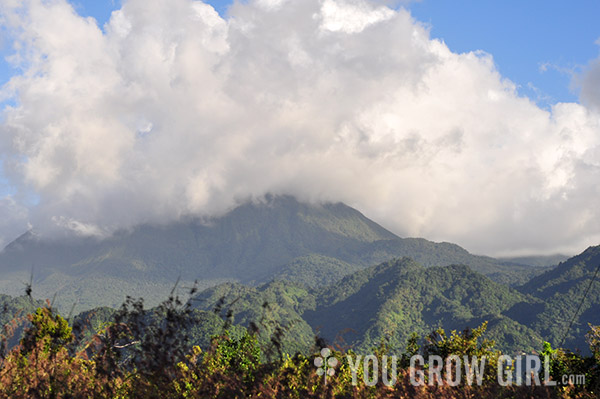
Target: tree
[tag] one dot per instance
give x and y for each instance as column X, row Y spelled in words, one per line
column 49, row 329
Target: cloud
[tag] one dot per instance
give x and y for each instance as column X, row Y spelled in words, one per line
column 13, row 220
column 589, row 82
column 171, row 110
column 351, row 17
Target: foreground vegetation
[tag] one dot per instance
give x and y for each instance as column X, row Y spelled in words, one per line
column 138, row 353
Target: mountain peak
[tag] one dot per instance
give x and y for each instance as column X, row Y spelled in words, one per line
column 274, row 237
column 336, row 218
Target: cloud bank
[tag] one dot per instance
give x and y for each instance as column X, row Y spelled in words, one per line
column 590, row 83
column 170, row 110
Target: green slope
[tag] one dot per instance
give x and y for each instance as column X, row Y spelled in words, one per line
column 272, row 305
column 13, row 316
column 315, row 270
column 561, row 291
column 249, row 244
column 388, row 302
column 254, row 243
column 397, row 298
column 430, row 253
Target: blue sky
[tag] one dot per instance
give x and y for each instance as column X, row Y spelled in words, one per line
column 538, row 44
column 522, row 36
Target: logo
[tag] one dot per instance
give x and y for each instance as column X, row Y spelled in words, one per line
column 454, row 370
column 325, row 364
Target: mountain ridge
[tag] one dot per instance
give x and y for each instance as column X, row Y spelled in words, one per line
column 255, row 242
column 390, row 301
column 568, row 292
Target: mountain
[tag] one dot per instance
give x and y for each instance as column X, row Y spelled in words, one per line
column 540, row 261
column 561, row 292
column 271, row 305
column 315, row 270
column 392, row 300
column 430, row 253
column 388, row 301
column 397, row 298
column 13, row 317
column 278, row 237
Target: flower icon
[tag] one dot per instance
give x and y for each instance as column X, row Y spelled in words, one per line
column 325, row 364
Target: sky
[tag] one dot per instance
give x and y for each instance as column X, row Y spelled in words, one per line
column 471, row 122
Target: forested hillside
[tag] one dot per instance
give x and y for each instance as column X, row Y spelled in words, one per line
column 562, row 291
column 254, row 243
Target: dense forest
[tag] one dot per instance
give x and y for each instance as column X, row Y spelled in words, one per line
column 138, row 353
column 308, row 287
column 233, row 340
column 281, row 239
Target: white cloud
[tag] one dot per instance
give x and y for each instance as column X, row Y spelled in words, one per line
column 13, row 220
column 590, row 85
column 174, row 110
column 588, row 82
column 351, row 17
column 271, row 4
